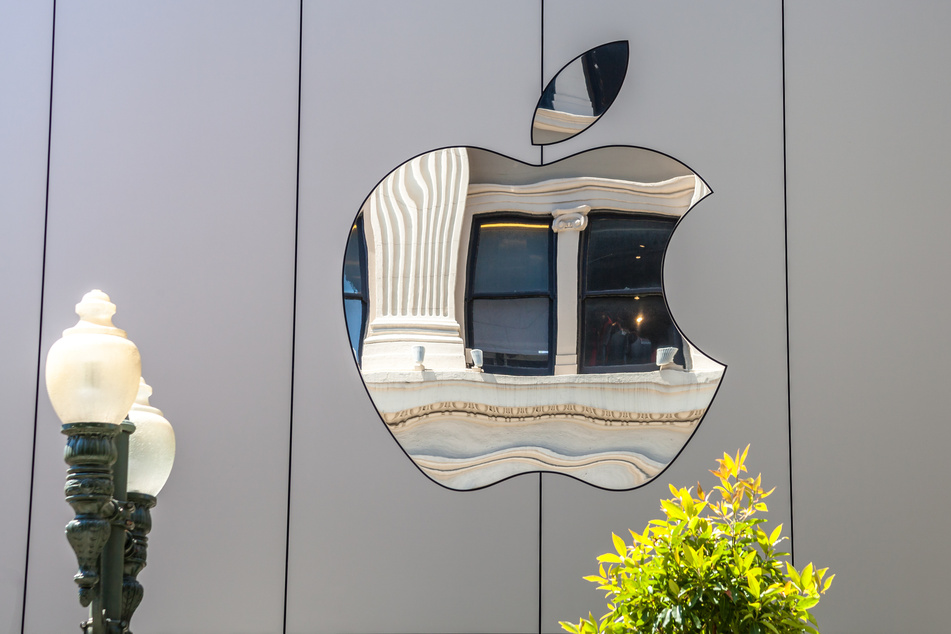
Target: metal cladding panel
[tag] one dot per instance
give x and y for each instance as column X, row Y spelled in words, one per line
column 375, row 545
column 25, row 34
column 704, row 85
column 867, row 143
column 173, row 184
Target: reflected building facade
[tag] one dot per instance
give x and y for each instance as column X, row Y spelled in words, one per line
column 510, row 318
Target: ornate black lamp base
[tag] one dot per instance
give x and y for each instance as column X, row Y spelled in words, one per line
column 136, row 550
column 90, row 453
column 109, row 626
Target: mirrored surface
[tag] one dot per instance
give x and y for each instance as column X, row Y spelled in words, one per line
column 355, row 286
column 580, row 93
column 509, row 318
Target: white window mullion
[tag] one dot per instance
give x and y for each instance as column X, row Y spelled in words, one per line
column 567, row 225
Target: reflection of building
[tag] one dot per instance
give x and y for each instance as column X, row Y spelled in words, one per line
column 580, row 93
column 552, row 272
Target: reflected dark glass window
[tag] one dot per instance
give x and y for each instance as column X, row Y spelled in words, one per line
column 510, row 294
column 512, row 257
column 625, row 253
column 355, row 287
column 604, row 70
column 624, row 318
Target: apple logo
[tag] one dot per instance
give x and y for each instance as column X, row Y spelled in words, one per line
column 509, row 318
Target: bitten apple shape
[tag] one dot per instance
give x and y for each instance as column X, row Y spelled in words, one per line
column 510, row 318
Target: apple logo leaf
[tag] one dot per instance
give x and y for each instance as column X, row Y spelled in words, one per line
column 580, row 93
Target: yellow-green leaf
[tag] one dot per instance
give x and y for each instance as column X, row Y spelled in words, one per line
column 689, row 556
column 793, row 574
column 619, row 545
column 828, row 582
column 752, row 578
column 747, row 560
column 728, row 463
column 774, row 536
column 807, row 577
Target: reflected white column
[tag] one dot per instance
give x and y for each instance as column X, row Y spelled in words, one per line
column 568, row 225
column 413, row 222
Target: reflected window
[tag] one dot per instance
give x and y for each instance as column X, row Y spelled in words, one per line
column 624, row 318
column 590, row 84
column 510, row 293
column 355, row 287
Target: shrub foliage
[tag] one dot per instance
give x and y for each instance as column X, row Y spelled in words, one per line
column 708, row 567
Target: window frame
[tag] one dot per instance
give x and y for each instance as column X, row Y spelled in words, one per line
column 475, row 229
column 584, row 294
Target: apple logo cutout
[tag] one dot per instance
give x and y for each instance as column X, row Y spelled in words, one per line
column 509, row 318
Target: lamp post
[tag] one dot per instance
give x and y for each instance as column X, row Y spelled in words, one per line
column 119, row 450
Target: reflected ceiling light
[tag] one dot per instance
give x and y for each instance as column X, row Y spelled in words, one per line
column 519, row 225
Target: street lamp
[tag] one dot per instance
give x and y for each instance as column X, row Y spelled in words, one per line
column 119, row 450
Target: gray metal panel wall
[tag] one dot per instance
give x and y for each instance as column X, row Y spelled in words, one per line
column 868, row 162
column 25, row 34
column 375, row 545
column 704, row 85
column 173, row 189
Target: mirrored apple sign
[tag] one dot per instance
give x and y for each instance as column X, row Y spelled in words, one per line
column 510, row 318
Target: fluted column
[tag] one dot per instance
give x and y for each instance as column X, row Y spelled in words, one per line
column 413, row 222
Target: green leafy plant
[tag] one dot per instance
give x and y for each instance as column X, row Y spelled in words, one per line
column 707, row 568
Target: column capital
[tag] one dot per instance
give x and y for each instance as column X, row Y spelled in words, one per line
column 573, row 219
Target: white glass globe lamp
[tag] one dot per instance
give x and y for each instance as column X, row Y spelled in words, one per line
column 92, row 372
column 151, row 446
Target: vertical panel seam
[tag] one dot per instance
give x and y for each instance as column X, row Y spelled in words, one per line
column 541, row 74
column 540, row 479
column 541, row 161
column 39, row 334
column 792, row 541
column 290, row 436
